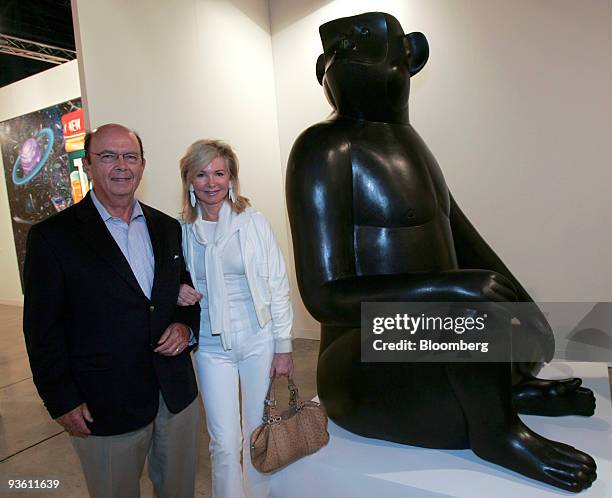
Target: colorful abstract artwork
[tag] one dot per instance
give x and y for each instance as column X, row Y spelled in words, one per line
column 36, row 168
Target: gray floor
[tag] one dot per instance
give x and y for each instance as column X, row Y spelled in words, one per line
column 32, row 446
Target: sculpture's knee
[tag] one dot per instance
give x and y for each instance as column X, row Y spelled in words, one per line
column 337, row 374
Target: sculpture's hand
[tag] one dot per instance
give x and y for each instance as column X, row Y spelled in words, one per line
column 480, row 285
column 553, row 398
column 498, row 288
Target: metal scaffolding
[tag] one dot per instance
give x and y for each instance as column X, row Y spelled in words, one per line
column 34, row 50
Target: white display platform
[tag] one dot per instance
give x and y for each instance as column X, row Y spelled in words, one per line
column 351, row 466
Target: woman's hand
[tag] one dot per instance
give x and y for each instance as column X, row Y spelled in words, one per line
column 188, row 295
column 282, row 364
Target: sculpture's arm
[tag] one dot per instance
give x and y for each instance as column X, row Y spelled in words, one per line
column 320, row 204
column 342, row 298
column 473, row 252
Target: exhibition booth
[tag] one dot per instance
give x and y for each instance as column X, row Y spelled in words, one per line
column 514, row 102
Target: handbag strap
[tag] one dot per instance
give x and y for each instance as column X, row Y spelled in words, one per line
column 269, row 414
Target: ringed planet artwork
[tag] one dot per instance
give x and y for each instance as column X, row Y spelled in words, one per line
column 33, row 156
column 36, row 166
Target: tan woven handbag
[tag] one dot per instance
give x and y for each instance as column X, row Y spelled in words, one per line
column 296, row 432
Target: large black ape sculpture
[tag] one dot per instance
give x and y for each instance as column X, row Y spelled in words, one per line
column 372, row 220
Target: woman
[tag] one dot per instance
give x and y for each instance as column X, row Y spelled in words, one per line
column 245, row 325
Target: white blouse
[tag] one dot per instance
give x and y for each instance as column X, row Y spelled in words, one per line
column 241, row 307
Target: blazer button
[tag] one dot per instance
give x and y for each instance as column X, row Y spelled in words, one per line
column 151, row 308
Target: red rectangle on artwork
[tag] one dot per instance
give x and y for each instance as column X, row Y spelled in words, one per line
column 74, row 123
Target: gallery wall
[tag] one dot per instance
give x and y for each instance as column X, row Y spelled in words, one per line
column 42, row 90
column 516, row 105
column 180, row 71
column 183, row 70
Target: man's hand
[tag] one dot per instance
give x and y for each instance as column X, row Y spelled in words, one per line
column 74, row 421
column 188, row 295
column 174, row 340
column 282, row 364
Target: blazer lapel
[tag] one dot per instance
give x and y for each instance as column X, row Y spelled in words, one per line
column 102, row 243
column 157, row 241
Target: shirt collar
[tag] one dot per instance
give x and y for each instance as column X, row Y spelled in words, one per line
column 136, row 210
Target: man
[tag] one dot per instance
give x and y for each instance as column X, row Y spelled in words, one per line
column 108, row 347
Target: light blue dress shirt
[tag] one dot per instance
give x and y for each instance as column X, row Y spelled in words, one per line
column 134, row 241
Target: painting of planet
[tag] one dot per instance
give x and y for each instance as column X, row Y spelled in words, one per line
column 30, row 155
column 35, row 167
column 33, row 156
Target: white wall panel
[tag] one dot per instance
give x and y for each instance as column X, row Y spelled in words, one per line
column 515, row 103
column 45, row 89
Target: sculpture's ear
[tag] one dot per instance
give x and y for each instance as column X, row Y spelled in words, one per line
column 320, row 68
column 418, row 51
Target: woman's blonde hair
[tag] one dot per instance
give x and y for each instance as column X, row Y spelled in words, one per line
column 200, row 154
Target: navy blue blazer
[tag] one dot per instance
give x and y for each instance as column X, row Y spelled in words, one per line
column 90, row 330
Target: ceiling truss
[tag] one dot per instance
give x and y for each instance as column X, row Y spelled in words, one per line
column 34, row 50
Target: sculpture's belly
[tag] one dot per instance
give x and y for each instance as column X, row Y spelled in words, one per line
column 392, row 194
column 400, row 205
column 393, row 250
column 396, row 181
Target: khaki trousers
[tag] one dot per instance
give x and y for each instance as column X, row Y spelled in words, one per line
column 113, row 464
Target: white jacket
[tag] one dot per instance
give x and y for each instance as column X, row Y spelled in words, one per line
column 265, row 273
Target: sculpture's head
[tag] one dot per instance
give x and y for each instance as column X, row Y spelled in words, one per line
column 367, row 63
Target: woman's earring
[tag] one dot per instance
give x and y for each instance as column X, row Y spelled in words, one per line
column 192, row 196
column 232, row 196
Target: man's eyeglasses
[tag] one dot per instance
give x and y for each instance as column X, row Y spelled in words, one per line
column 113, row 157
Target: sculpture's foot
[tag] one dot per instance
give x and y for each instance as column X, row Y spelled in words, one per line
column 553, row 398
column 522, row 450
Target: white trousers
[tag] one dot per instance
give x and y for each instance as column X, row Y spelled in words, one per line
column 220, row 373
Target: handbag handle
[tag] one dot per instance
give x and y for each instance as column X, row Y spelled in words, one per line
column 269, row 414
